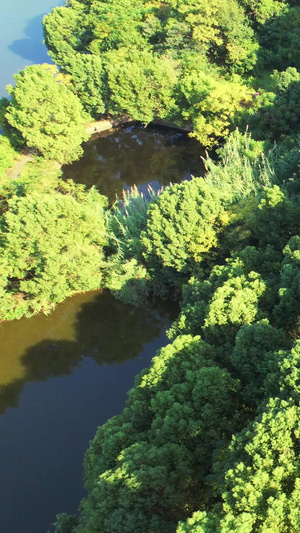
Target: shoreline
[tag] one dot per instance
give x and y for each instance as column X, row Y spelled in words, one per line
column 100, row 126
column 93, row 129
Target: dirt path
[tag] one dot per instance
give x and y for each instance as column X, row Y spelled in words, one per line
column 20, row 163
column 106, row 124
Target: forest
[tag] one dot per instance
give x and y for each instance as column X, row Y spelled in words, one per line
column 209, row 439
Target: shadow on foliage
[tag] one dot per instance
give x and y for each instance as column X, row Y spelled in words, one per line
column 278, row 118
column 94, row 325
column 279, row 41
column 30, row 47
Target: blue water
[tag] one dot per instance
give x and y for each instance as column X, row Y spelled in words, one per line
column 21, row 36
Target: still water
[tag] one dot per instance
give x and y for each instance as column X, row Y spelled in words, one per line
column 63, row 375
column 60, row 377
column 21, row 36
column 134, row 155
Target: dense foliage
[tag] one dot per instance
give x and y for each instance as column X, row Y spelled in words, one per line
column 47, row 113
column 51, row 246
column 181, row 61
column 157, row 59
column 209, row 438
column 7, row 154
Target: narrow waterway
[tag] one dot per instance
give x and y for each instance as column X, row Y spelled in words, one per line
column 63, row 375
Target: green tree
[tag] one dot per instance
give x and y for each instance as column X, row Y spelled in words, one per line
column 276, row 218
column 7, row 154
column 212, row 103
column 65, row 39
column 64, row 29
column 142, row 467
column 65, row 523
column 261, row 489
column 217, row 307
column 88, row 81
column 114, row 25
column 287, row 311
column 51, row 247
column 264, row 10
column 48, row 115
column 183, row 226
column 232, row 305
column 141, row 84
column 14, row 136
column 212, row 29
column 255, row 356
column 275, row 115
column 279, row 38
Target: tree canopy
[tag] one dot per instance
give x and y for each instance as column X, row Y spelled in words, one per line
column 132, row 58
column 209, row 438
column 51, row 247
column 48, row 115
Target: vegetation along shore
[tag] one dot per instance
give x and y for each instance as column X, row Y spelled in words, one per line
column 209, row 438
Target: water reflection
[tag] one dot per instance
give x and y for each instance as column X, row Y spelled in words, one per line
column 21, row 36
column 133, row 155
column 30, row 47
column 77, row 345
column 94, row 325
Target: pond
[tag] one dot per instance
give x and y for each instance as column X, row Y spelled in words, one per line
column 60, row 377
column 135, row 155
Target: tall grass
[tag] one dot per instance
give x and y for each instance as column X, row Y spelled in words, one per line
column 128, row 219
column 244, row 168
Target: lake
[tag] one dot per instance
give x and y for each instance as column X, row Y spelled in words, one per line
column 64, row 374
column 21, row 36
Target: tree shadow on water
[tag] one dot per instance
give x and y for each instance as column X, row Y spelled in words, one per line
column 105, row 329
column 32, row 47
column 134, row 155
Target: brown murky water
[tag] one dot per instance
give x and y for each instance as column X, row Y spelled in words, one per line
column 63, row 375
column 134, row 155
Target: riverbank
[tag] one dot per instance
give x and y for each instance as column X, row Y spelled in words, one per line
column 100, row 126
